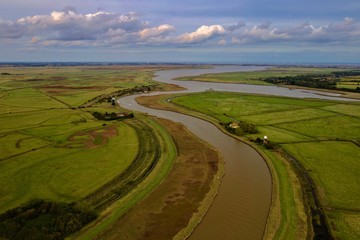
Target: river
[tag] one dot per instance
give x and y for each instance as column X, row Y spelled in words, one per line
column 241, row 207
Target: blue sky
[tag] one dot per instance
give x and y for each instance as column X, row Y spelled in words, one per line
column 235, row 31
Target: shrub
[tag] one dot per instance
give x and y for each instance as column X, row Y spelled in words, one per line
column 41, row 219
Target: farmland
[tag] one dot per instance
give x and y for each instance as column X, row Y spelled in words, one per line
column 323, row 136
column 44, row 134
column 55, row 154
column 54, row 148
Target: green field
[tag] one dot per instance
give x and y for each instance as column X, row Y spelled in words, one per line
column 52, row 147
column 256, row 77
column 51, row 150
column 349, row 82
column 323, row 135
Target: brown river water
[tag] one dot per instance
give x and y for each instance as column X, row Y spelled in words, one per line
column 241, row 207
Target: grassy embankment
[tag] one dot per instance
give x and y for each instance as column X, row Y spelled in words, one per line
column 322, row 135
column 52, row 147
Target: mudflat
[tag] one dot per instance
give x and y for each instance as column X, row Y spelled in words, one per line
column 170, row 207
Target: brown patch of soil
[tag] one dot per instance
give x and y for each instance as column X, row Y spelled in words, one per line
column 169, row 87
column 168, row 209
column 91, row 139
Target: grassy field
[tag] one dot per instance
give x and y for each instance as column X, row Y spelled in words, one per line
column 65, row 172
column 322, row 135
column 349, row 82
column 50, row 149
column 53, row 148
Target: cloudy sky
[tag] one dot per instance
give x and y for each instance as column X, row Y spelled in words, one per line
column 231, row 31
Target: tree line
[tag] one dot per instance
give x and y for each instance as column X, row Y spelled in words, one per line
column 325, row 81
column 41, row 219
column 111, row 116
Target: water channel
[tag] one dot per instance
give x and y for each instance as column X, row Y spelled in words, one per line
column 241, row 207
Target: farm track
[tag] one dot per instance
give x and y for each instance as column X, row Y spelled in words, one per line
column 52, row 97
column 25, row 152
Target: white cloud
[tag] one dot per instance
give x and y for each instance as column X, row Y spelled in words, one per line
column 201, row 34
column 237, row 41
column 345, row 31
column 222, row 42
column 155, row 31
column 70, row 28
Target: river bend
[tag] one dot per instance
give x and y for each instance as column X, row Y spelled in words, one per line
column 241, row 207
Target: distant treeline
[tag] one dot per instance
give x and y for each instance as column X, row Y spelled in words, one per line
column 352, row 73
column 111, row 116
column 325, row 81
column 40, row 219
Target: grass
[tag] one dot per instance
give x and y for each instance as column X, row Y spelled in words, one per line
column 287, row 217
column 53, row 148
column 349, row 82
column 334, row 165
column 322, row 135
column 65, row 173
column 235, row 105
column 348, row 223
column 337, row 127
column 69, row 86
